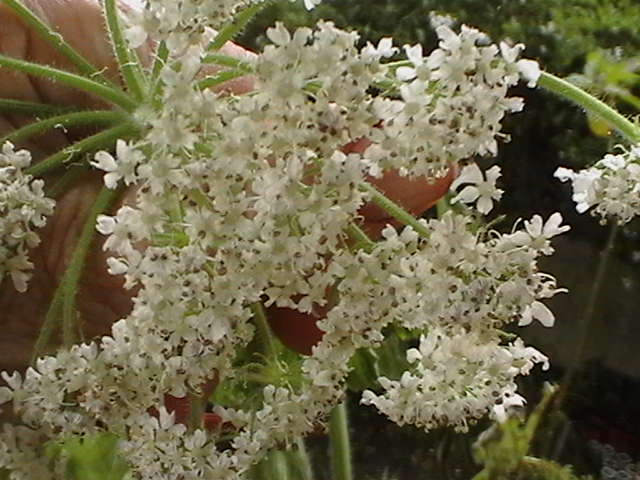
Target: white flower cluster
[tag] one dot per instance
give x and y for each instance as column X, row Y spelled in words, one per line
column 611, row 187
column 457, row 378
column 245, row 198
column 461, row 289
column 452, row 103
column 23, row 209
column 182, row 22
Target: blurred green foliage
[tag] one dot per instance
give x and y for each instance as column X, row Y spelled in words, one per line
column 92, row 457
column 504, row 450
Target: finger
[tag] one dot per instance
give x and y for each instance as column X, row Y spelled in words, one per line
column 415, row 195
column 14, row 42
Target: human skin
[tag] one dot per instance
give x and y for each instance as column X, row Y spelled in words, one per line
column 101, row 299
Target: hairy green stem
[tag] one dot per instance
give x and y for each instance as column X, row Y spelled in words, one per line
column 104, row 139
column 55, row 40
column 128, row 60
column 270, row 348
column 74, row 270
column 8, row 105
column 341, row 468
column 110, row 94
column 196, row 414
column 395, row 210
column 571, row 92
column 232, row 28
column 48, row 326
column 161, row 56
column 360, row 237
column 219, row 78
column 61, row 304
column 228, row 61
column 278, row 468
column 299, row 461
column 91, row 118
column 64, row 182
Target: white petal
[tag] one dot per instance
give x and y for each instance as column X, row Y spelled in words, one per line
column 527, row 317
column 469, row 194
column 105, row 224
column 552, row 226
column 469, row 174
column 529, row 71
column 405, row 73
column 541, row 313
column 104, row 161
column 414, row 54
column 484, row 205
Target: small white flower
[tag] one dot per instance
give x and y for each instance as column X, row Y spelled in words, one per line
column 482, row 189
column 384, row 49
column 529, row 71
column 550, row 229
column 122, row 167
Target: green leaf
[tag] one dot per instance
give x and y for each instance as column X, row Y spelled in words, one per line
column 93, row 457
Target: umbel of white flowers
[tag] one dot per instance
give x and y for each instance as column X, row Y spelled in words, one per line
column 611, row 188
column 251, row 227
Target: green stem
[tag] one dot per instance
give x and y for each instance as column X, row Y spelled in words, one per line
column 68, row 179
column 590, row 103
column 72, row 274
column 219, row 78
column 395, row 210
column 74, row 270
column 8, row 105
column 56, row 40
column 232, row 28
column 265, row 335
column 228, row 61
column 110, row 94
column 104, row 139
column 48, row 326
column 97, row 117
column 277, row 464
column 128, row 60
column 299, row 461
column 340, row 444
column 360, row 237
column 161, row 56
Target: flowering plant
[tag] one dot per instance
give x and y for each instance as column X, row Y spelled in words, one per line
column 242, row 201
